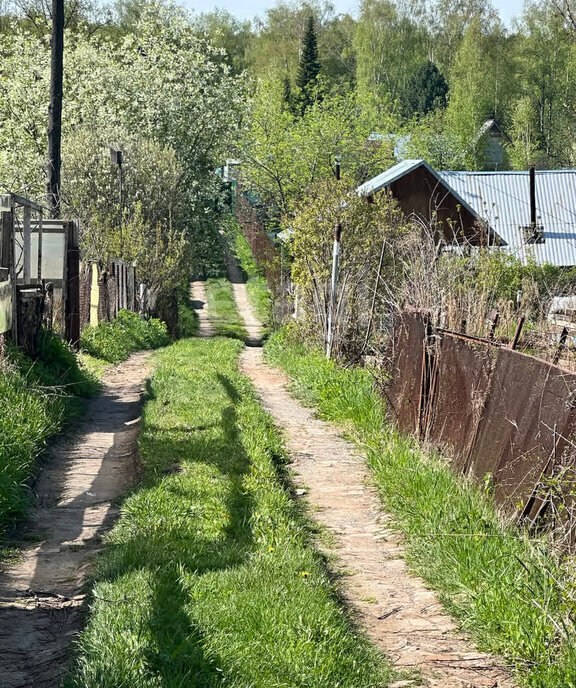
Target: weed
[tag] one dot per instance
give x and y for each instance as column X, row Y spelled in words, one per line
column 116, row 340
column 224, row 315
column 36, row 396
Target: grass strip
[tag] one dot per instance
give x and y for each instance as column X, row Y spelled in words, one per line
column 506, row 588
column 256, row 285
column 36, row 397
column 222, row 309
column 208, row 579
column 114, row 341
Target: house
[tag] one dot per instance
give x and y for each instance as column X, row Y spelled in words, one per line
column 495, row 141
column 530, row 215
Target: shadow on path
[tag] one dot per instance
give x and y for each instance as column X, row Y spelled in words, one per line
column 41, row 595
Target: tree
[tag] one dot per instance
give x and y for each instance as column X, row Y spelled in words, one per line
column 308, row 68
column 481, row 86
column 370, row 238
column 389, row 46
column 161, row 93
column 284, row 156
column 337, row 52
column 449, row 21
column 226, row 32
column 426, row 90
column 287, row 97
column 544, row 120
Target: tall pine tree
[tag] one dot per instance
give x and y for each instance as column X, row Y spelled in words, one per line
column 309, row 67
column 426, row 90
column 287, row 98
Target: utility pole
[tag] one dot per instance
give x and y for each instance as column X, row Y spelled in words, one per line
column 333, row 289
column 334, row 280
column 55, row 108
column 117, row 158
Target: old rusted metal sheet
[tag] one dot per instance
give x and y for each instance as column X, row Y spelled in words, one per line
column 463, row 381
column 527, row 420
column 497, row 411
column 403, row 389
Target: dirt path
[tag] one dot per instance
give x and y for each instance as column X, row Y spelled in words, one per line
column 399, row 613
column 198, row 303
column 251, row 322
column 41, row 596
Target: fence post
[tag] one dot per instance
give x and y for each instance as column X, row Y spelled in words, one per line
column 27, row 246
column 72, row 303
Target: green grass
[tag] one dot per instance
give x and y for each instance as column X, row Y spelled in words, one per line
column 114, row 341
column 507, row 589
column 36, row 397
column 222, row 310
column 208, row 578
column 257, row 288
column 188, row 320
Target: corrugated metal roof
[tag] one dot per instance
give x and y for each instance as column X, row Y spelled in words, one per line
column 503, row 200
column 389, row 176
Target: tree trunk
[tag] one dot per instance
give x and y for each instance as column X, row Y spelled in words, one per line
column 55, row 108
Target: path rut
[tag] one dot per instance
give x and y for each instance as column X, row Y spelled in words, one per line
column 42, row 595
column 400, row 614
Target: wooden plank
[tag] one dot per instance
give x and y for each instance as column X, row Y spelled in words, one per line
column 27, row 248
column 40, row 230
column 72, row 308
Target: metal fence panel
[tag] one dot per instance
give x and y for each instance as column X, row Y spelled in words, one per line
column 525, row 426
column 464, row 369
column 403, row 389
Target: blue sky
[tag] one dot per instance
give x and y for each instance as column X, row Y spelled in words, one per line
column 250, row 8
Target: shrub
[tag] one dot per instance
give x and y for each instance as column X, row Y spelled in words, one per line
column 114, row 341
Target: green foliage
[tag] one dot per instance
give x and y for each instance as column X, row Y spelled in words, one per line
column 285, row 156
column 205, row 256
column 287, row 97
column 187, row 316
column 156, row 90
column 36, row 397
column 309, row 68
column 256, row 285
column 116, row 340
column 227, row 33
column 390, row 43
column 506, row 587
column 481, row 87
column 426, row 90
column 208, row 577
column 371, row 234
column 543, row 118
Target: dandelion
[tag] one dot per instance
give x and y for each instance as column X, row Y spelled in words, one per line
column 271, row 549
column 304, row 574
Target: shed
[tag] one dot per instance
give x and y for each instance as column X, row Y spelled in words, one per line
column 500, row 200
column 422, row 193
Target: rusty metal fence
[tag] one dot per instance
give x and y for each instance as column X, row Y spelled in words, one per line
column 498, row 414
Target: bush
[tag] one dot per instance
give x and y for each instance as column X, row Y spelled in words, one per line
column 116, row 340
